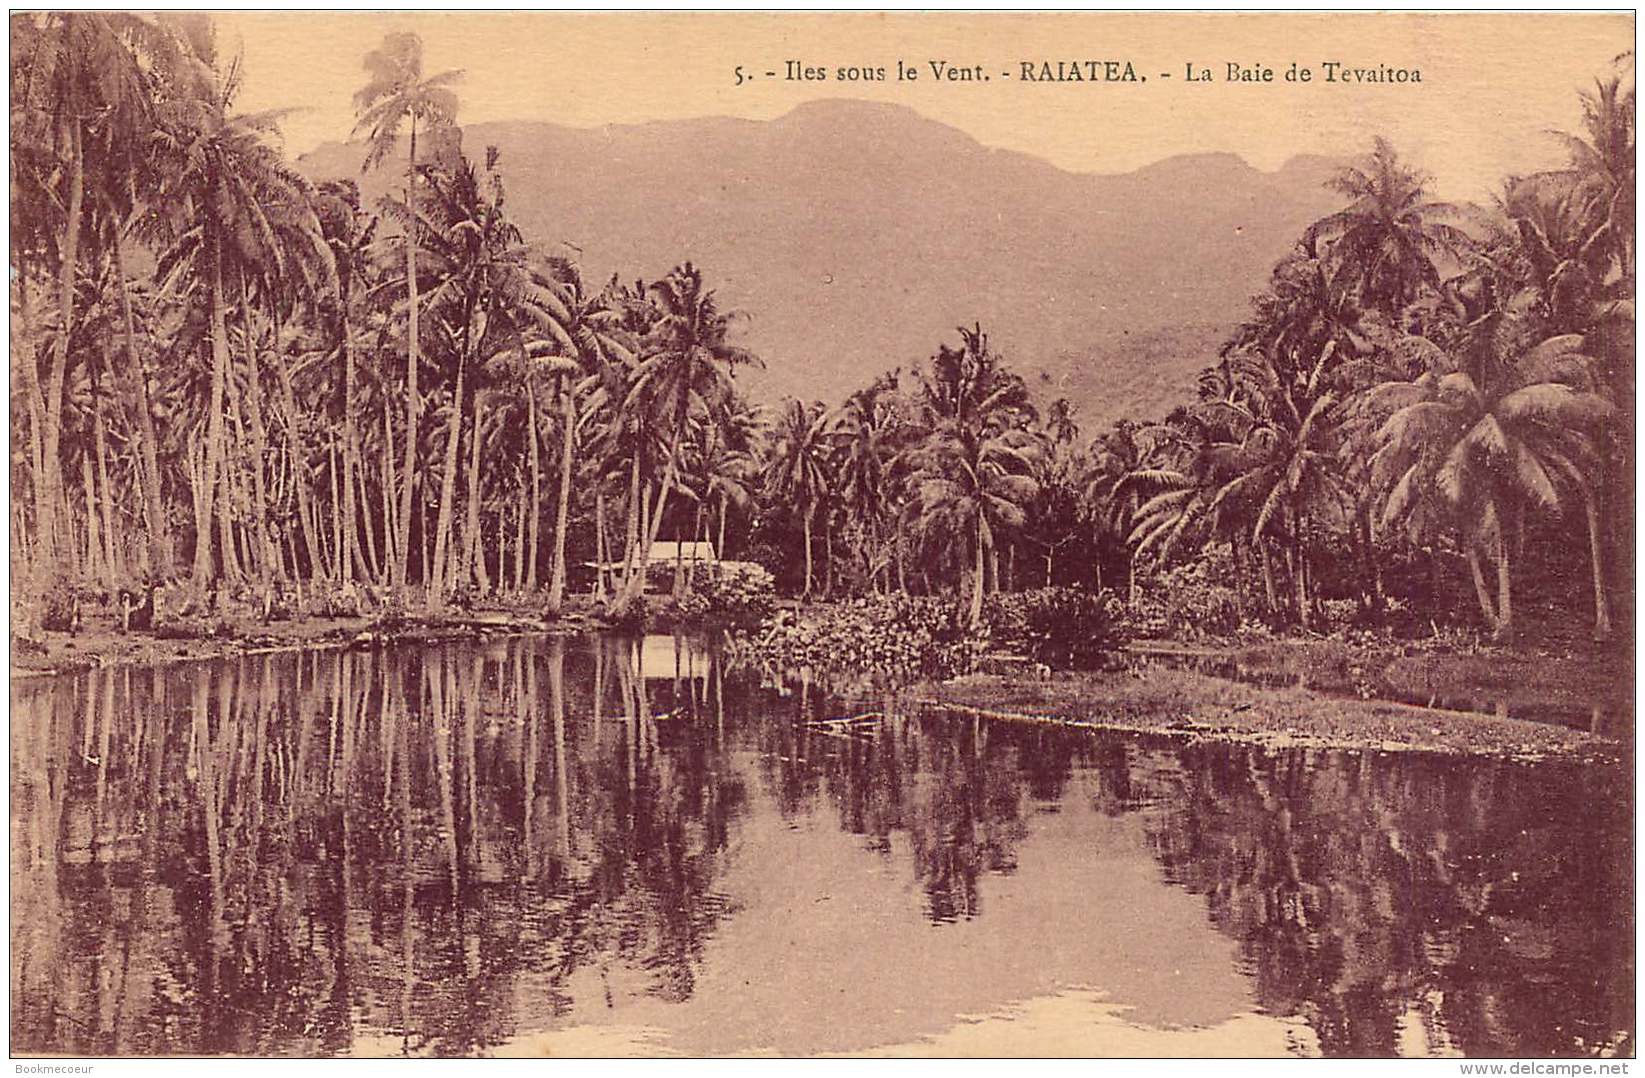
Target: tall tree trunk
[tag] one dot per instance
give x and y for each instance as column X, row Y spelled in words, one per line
column 474, row 566
column 1268, row 587
column 51, row 475
column 631, row 551
column 535, row 456
column 408, row 467
column 1504, row 598
column 94, row 562
column 982, row 565
column 1602, row 610
column 105, row 504
column 154, row 506
column 353, row 556
column 305, row 501
column 394, row 549
column 670, row 473
column 448, row 490
column 600, row 549
column 214, row 424
column 28, row 375
column 562, row 513
column 266, row 554
column 809, row 511
column 521, row 512
column 719, row 547
column 1481, row 592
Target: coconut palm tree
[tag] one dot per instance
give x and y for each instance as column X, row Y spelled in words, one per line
column 1488, row 433
column 397, row 96
column 869, row 431
column 485, row 298
column 231, row 205
column 798, row 472
column 87, row 85
column 1390, row 234
column 685, row 370
column 975, row 484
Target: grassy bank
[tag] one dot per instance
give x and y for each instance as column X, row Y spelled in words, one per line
column 1187, row 704
column 100, row 642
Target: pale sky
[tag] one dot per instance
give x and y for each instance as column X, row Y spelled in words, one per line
column 1491, row 83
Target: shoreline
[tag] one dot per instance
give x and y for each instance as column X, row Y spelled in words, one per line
column 1187, row 706
column 1163, row 695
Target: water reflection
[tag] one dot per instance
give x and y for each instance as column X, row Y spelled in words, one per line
column 544, row 845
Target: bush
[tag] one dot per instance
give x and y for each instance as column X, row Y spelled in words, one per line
column 740, row 595
column 628, row 615
column 1061, row 627
column 60, row 606
column 889, row 637
column 1190, row 602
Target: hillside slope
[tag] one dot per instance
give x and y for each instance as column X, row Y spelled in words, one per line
column 856, row 236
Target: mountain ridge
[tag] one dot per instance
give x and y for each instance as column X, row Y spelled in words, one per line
column 857, row 235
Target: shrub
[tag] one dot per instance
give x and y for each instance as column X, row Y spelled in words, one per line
column 888, row 637
column 1189, row 602
column 60, row 606
column 1061, row 627
column 628, row 615
column 735, row 595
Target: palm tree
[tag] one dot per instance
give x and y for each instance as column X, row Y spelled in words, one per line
column 1390, row 234
column 798, row 472
column 1282, row 472
column 89, row 84
column 869, row 431
column 486, row 299
column 1483, row 436
column 231, row 204
column 349, row 234
column 976, row 484
column 396, row 95
column 686, row 369
column 588, row 342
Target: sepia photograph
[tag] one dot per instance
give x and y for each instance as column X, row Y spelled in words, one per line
column 701, row 534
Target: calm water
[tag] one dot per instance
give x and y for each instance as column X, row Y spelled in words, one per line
column 550, row 846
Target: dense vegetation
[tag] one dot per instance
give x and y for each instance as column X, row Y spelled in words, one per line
column 228, row 376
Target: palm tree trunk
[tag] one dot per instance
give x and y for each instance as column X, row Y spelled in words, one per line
column 1266, row 555
column 562, row 513
column 305, row 500
column 536, row 507
column 448, row 490
column 600, row 549
column 373, row 564
column 632, row 537
column 266, row 554
column 982, row 564
column 214, row 425
column 393, row 542
column 408, row 467
column 809, row 510
column 154, row 507
column 51, row 475
column 521, row 514
column 28, row 378
column 1504, row 598
column 1483, row 594
column 669, row 475
column 1602, row 611
column 94, row 561
column 719, row 547
column 351, row 453
column 473, row 531
column 105, row 506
